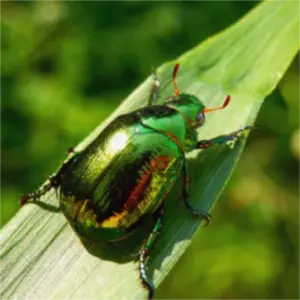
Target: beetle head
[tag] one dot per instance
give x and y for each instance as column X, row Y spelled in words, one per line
column 190, row 106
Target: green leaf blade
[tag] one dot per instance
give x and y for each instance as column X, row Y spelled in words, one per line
column 41, row 256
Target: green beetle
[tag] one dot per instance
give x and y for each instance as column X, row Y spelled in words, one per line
column 124, row 175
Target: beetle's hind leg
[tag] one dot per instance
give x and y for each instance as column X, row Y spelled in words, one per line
column 186, row 196
column 155, row 88
column 53, row 181
column 144, row 252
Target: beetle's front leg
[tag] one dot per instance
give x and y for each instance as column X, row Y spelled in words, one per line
column 222, row 139
column 154, row 93
column 53, row 181
column 186, row 195
column 144, row 252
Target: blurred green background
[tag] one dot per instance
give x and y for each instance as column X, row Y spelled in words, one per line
column 67, row 65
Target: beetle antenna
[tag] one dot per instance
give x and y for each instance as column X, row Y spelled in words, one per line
column 176, row 90
column 227, row 99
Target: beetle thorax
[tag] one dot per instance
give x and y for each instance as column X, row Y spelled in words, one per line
column 190, row 108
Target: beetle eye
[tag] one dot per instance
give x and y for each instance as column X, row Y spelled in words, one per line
column 200, row 117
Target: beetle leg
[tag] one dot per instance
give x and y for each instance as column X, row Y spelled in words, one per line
column 186, row 196
column 71, row 150
column 144, row 252
column 154, row 93
column 53, row 181
column 221, row 139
